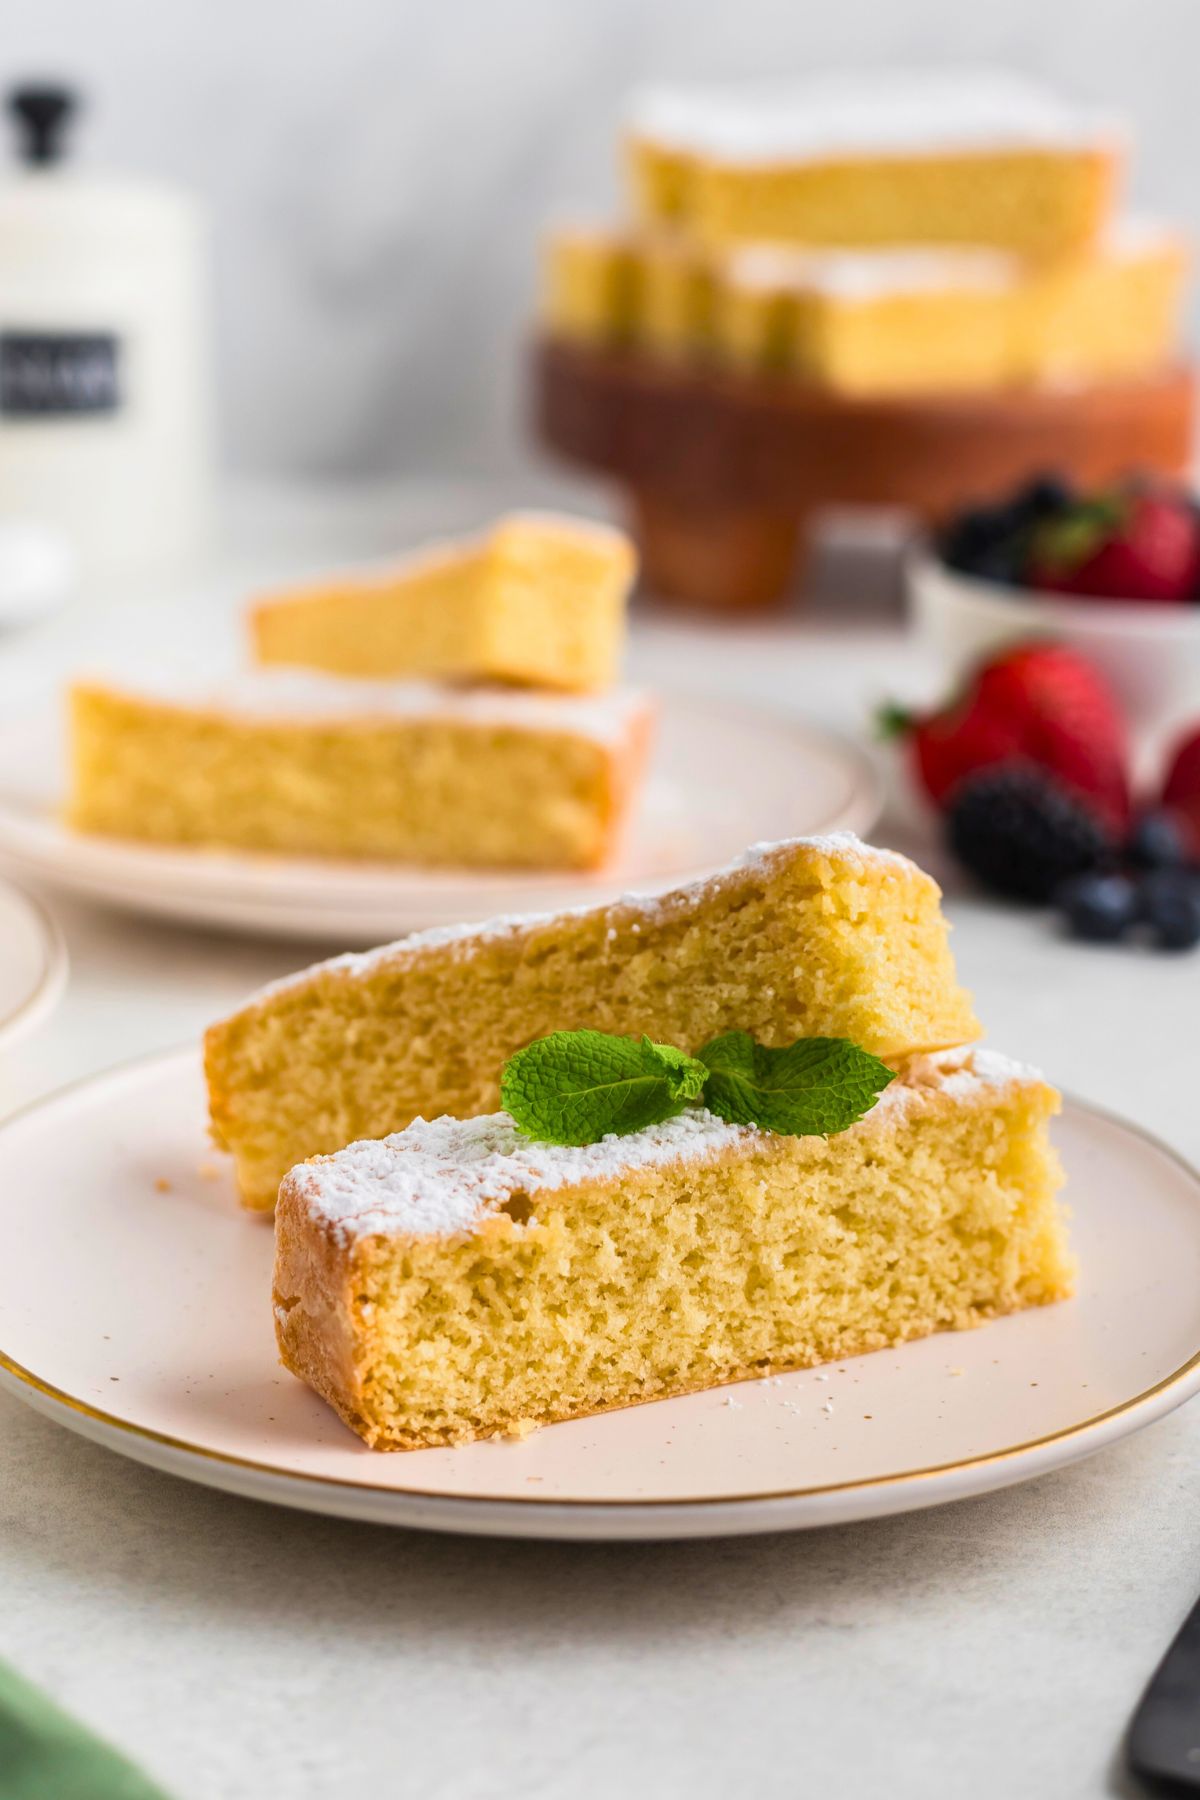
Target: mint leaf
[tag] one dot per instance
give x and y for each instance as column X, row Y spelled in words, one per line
column 575, row 1087
column 813, row 1088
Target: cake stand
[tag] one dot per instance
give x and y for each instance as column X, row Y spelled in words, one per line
column 727, row 473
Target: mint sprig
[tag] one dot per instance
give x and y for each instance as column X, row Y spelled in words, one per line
column 576, row 1087
column 813, row 1088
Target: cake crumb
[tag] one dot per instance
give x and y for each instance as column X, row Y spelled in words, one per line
column 162, row 1185
column 209, row 1171
column 956, row 1371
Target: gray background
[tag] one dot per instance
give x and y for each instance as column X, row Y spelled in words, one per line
column 378, row 169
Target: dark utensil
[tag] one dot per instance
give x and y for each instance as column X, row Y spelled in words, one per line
column 1164, row 1738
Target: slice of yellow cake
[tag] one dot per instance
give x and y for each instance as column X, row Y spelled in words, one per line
column 1111, row 314
column 950, row 157
column 590, row 283
column 810, row 937
column 457, row 1280
column 537, row 600
column 919, row 319
column 936, row 320
column 871, row 322
column 611, row 288
column 311, row 766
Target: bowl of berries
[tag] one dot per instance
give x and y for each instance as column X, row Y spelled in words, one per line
column 1027, row 766
column 1113, row 575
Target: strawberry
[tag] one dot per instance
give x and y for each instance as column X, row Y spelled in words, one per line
column 1037, row 704
column 948, row 745
column 1182, row 785
column 1181, row 789
column 1137, row 545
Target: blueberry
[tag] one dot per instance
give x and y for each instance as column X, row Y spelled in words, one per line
column 1046, row 496
column 1169, row 905
column 1157, row 842
column 1098, row 908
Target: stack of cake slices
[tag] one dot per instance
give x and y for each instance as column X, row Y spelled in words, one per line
column 885, row 234
column 442, row 1275
column 457, row 708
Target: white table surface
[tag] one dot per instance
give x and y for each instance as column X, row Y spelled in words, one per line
column 994, row 1648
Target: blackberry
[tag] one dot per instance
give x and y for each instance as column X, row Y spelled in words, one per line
column 984, row 542
column 1021, row 833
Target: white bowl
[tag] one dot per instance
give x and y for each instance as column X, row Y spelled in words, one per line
column 1150, row 651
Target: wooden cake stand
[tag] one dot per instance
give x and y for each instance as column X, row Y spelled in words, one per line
column 727, row 473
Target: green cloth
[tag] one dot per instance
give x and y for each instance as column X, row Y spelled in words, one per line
column 44, row 1755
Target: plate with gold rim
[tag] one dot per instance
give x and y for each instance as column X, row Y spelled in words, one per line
column 162, row 1348
column 721, row 775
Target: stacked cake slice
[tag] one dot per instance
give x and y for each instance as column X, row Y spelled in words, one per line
column 881, row 235
column 443, row 1272
column 514, row 751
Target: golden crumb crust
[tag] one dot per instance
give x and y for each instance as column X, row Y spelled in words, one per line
column 1039, row 203
column 431, row 790
column 972, row 321
column 809, row 938
column 773, row 1254
column 537, row 600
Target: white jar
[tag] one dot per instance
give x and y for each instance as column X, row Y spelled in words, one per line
column 104, row 390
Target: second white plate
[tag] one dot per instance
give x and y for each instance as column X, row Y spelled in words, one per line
column 721, row 777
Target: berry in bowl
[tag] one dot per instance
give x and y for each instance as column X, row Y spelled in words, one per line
column 1027, row 766
column 1113, row 575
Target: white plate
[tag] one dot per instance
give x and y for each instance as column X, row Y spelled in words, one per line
column 722, row 776
column 33, row 964
column 159, row 1343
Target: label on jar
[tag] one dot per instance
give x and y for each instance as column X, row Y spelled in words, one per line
column 51, row 374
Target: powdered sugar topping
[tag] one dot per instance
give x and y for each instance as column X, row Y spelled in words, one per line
column 864, row 274
column 894, row 112
column 959, row 1074
column 291, row 694
column 843, row 847
column 444, row 1176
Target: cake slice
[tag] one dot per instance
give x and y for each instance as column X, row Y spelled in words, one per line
column 537, row 600
column 311, row 766
column 871, row 322
column 936, row 321
column 818, row 936
column 590, row 283
column 952, row 157
column 457, row 1280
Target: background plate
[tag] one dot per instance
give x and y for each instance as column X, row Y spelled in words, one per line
column 721, row 777
column 33, row 964
column 160, row 1344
